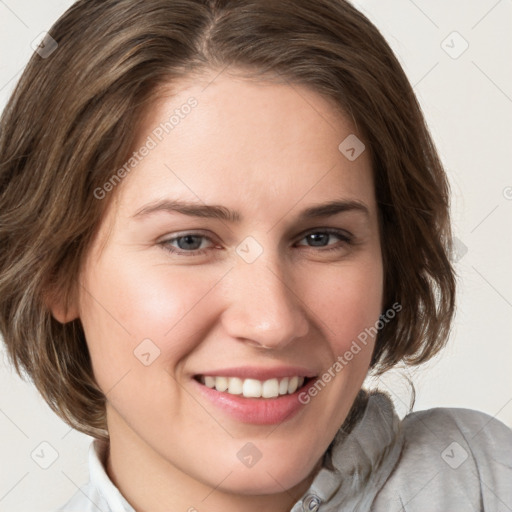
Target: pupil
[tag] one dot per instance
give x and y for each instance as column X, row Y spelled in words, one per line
column 188, row 239
column 315, row 237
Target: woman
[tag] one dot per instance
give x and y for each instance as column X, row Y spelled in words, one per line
column 237, row 214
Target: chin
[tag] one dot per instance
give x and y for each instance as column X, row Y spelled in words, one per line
column 270, row 477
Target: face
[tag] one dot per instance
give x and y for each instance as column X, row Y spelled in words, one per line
column 261, row 294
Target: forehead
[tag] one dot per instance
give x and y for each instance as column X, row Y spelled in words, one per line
column 255, row 144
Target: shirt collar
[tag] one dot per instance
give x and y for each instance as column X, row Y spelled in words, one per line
column 100, row 479
column 362, row 460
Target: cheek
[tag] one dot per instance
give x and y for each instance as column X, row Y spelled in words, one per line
column 349, row 304
column 123, row 306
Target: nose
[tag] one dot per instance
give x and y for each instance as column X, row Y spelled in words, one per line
column 264, row 309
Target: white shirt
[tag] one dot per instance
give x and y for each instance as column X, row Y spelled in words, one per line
column 439, row 460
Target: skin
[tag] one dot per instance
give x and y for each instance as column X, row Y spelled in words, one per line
column 269, row 154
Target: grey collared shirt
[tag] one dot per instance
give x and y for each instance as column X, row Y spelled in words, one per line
column 439, row 460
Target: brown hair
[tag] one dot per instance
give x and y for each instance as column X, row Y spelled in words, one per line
column 71, row 122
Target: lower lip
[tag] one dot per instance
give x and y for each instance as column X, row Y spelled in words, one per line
column 257, row 411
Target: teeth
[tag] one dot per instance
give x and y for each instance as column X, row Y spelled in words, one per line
column 292, row 384
column 221, row 383
column 283, row 386
column 270, row 388
column 209, row 381
column 252, row 388
column 235, row 386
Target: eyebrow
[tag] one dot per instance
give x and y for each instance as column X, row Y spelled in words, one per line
column 213, row 211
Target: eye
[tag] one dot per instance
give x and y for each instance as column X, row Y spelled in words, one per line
column 188, row 244
column 320, row 238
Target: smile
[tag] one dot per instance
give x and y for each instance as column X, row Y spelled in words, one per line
column 256, row 395
column 253, row 388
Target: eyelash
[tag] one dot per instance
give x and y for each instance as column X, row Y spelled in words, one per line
column 345, row 238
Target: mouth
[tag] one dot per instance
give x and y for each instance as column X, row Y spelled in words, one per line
column 256, row 396
column 254, row 388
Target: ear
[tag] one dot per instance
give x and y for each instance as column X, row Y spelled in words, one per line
column 60, row 308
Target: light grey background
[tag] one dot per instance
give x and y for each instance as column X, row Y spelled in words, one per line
column 467, row 101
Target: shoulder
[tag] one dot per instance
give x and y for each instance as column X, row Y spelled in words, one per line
column 475, row 430
column 459, row 438
column 453, row 457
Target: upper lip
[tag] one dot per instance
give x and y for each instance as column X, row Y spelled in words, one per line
column 253, row 372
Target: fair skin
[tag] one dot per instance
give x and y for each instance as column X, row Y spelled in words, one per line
column 268, row 151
